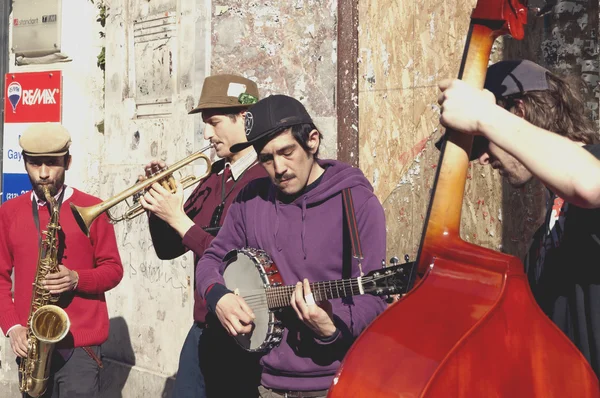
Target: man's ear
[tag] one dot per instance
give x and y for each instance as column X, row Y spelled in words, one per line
column 68, row 162
column 519, row 108
column 314, row 140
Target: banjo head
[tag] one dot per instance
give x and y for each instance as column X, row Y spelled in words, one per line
column 246, row 275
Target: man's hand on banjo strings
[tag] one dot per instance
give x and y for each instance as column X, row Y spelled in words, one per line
column 317, row 316
column 234, row 314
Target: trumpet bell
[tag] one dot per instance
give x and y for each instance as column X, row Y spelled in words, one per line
column 85, row 216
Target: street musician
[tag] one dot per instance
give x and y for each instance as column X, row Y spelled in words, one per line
column 82, row 270
column 176, row 228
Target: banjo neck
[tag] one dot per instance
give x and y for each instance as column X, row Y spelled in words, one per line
column 280, row 296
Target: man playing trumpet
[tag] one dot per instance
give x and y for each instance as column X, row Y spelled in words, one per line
column 176, row 227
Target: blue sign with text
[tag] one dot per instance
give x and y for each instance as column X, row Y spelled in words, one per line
column 14, row 185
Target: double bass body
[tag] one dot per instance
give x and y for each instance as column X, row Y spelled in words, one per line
column 466, row 330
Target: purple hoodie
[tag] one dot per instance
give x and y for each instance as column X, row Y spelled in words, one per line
column 304, row 239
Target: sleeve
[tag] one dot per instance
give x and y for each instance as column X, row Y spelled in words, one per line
column 166, row 241
column 169, row 245
column 351, row 316
column 107, row 271
column 8, row 312
column 197, row 240
column 232, row 235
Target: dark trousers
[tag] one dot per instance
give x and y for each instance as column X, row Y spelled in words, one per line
column 189, row 381
column 74, row 374
column 228, row 370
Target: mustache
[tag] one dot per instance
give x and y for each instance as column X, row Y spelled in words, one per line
column 285, row 177
column 51, row 187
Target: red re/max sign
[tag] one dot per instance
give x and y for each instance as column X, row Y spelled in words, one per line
column 32, row 97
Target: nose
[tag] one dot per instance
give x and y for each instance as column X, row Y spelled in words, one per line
column 484, row 159
column 208, row 132
column 279, row 166
column 44, row 172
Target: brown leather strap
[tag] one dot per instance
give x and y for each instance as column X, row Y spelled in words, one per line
column 93, row 355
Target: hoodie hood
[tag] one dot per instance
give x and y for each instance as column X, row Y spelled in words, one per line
column 336, row 177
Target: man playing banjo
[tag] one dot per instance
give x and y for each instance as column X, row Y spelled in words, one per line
column 296, row 216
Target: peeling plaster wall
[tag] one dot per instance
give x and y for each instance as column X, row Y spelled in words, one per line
column 158, row 54
column 287, row 48
column 150, row 87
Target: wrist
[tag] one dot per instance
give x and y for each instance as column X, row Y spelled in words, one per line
column 76, row 279
column 181, row 223
column 327, row 331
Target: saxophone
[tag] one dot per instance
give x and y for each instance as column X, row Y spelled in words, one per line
column 47, row 324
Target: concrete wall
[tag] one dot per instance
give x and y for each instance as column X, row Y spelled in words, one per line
column 158, row 54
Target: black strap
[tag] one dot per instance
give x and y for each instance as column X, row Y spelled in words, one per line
column 352, row 229
column 215, row 219
column 36, row 217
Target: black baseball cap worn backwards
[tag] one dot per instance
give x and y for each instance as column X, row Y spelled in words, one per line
column 505, row 79
column 271, row 115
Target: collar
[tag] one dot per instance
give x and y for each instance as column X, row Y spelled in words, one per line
column 241, row 165
column 42, row 203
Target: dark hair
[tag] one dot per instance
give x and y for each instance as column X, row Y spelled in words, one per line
column 300, row 132
column 559, row 109
column 234, row 113
column 231, row 113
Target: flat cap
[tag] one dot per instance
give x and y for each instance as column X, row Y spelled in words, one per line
column 45, row 139
column 226, row 91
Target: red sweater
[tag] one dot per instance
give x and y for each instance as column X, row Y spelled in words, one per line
column 96, row 260
column 199, row 207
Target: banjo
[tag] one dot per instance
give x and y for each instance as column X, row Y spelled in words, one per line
column 252, row 275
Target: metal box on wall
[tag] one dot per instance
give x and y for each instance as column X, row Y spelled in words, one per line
column 36, row 27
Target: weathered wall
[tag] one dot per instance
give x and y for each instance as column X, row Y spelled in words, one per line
column 287, row 48
column 82, row 110
column 405, row 49
column 158, row 54
column 150, row 86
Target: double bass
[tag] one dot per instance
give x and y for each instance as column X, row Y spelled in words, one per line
column 470, row 326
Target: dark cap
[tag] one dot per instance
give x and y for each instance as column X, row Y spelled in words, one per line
column 506, row 78
column 45, row 139
column 269, row 115
column 226, row 91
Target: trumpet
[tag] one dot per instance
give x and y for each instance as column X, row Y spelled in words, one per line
column 85, row 216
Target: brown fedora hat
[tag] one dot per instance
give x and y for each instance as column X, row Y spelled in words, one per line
column 226, row 91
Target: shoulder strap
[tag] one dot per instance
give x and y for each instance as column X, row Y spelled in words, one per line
column 353, row 231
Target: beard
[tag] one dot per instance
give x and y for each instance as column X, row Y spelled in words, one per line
column 53, row 186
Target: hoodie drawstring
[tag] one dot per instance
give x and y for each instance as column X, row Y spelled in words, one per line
column 303, row 224
column 277, row 224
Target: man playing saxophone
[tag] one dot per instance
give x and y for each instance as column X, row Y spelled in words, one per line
column 86, row 267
